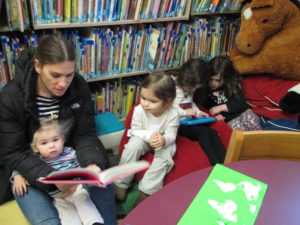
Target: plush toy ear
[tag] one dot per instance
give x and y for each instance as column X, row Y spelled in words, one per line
column 291, row 101
column 261, row 3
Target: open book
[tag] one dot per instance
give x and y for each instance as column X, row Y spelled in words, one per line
column 85, row 176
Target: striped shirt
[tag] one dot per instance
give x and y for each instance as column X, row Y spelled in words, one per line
column 66, row 160
column 47, row 106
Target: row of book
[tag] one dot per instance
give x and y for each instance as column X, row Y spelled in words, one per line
column 122, row 49
column 213, row 6
column 116, row 96
column 16, row 14
column 81, row 11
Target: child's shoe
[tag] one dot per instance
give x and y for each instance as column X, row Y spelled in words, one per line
column 120, row 193
column 141, row 197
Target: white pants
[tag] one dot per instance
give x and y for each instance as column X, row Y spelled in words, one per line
column 154, row 176
column 77, row 209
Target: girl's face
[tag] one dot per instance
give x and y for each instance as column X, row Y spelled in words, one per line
column 54, row 79
column 151, row 103
column 215, row 82
column 49, row 142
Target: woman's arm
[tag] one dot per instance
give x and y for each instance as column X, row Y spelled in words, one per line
column 14, row 143
column 88, row 147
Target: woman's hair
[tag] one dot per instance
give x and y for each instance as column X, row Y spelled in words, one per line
column 191, row 73
column 51, row 121
column 223, row 65
column 162, row 85
column 54, row 49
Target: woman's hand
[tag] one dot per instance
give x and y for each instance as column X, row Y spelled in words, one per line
column 96, row 169
column 20, row 185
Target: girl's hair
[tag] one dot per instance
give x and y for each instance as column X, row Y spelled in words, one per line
column 191, row 73
column 54, row 49
column 51, row 121
column 162, row 85
column 223, row 65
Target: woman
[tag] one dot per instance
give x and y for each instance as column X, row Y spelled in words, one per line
column 45, row 83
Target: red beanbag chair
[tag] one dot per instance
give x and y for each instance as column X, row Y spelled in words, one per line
column 189, row 155
column 264, row 93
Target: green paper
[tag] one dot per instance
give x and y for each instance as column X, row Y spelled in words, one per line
column 226, row 198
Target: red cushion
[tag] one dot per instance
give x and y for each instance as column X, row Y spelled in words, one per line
column 264, row 93
column 189, row 155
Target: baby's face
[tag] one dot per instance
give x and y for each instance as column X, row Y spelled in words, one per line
column 50, row 142
column 215, row 82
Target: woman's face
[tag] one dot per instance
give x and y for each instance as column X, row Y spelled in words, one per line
column 54, row 79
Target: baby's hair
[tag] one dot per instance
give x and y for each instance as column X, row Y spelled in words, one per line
column 51, row 121
column 223, row 65
column 54, row 49
column 193, row 72
column 162, row 85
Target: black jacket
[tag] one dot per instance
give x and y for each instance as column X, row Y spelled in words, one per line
column 19, row 120
column 236, row 104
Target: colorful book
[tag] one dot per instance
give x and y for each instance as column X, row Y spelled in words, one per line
column 227, row 197
column 85, row 176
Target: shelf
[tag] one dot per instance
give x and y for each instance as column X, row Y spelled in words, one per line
column 129, row 74
column 185, row 16
column 215, row 14
column 107, row 23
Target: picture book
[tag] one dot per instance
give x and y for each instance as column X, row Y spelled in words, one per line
column 227, row 197
column 197, row 120
column 85, row 176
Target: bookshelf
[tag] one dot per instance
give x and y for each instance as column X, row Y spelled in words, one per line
column 100, row 45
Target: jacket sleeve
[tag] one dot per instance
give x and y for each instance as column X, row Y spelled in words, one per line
column 88, row 147
column 14, row 147
column 237, row 104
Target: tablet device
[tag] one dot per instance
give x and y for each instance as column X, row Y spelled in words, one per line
column 194, row 121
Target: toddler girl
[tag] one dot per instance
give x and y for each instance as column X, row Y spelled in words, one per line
column 153, row 129
column 48, row 144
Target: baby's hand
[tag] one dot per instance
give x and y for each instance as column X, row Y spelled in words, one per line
column 20, row 185
column 157, row 141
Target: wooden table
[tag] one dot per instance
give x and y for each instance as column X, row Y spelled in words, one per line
column 281, row 205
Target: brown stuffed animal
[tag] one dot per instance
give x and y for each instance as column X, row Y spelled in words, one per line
column 269, row 39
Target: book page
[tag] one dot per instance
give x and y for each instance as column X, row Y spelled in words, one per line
column 114, row 173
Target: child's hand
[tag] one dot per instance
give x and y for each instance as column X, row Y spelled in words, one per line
column 218, row 109
column 20, row 185
column 157, row 141
column 202, row 114
column 220, row 117
column 66, row 189
column 190, row 112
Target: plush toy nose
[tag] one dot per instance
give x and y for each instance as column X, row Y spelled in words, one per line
column 248, row 45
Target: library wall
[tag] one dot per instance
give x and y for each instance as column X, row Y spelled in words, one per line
column 119, row 41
